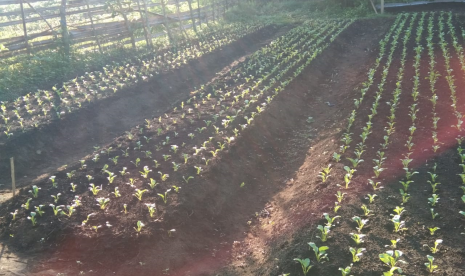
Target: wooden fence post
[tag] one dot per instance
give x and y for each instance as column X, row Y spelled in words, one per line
column 26, row 40
column 64, row 28
column 147, row 23
column 13, row 180
column 181, row 29
column 198, row 12
column 382, row 6
column 213, row 10
column 146, row 34
column 192, row 15
column 94, row 33
column 166, row 24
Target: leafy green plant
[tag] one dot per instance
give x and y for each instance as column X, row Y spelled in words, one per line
column 152, row 208
column 32, row 218
column 139, row 226
column 325, row 173
column 358, row 238
column 34, row 191
column 398, row 224
column 360, row 222
column 95, row 189
column 102, row 202
column 330, row 220
column 305, row 264
column 356, row 253
column 320, row 252
column 433, row 214
column 39, row 210
column 434, row 249
column 27, row 204
column 433, row 200
column 430, row 266
column 371, row 198
column 164, row 196
column 433, row 230
column 391, row 257
column 324, row 232
column 346, row 271
column 138, row 193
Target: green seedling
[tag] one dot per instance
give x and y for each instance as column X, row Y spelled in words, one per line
column 393, row 244
column 391, row 257
column 429, row 265
column 330, row 220
column 433, row 200
column 371, row 198
column 320, row 252
column 187, row 179
column 95, row 189
column 153, row 183
column 14, row 214
column 34, row 191
column 146, row 172
column 366, row 211
column 125, row 207
column 32, row 218
column 56, row 198
column 374, row 184
column 54, row 183
column 340, row 196
column 73, row 187
column 102, row 202
column 138, row 193
column 56, row 209
column 405, row 196
column 336, row 206
column 433, row 214
column 358, row 238
column 336, row 157
column 360, row 222
column 71, row 210
column 355, row 162
column 325, row 174
column 392, row 271
column 305, row 264
column 116, row 192
column 399, row 210
column 324, row 232
column 433, row 230
column 406, row 184
column 346, row 271
column 151, row 208
column 163, row 176
column 398, row 224
column 139, row 226
column 435, row 248
column 434, row 186
column 164, row 196
column 27, row 204
column 39, row 210
column 356, row 253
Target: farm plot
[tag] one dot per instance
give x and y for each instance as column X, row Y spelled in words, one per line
column 402, row 148
column 132, row 188
column 36, row 109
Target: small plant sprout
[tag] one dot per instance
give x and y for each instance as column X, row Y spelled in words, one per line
column 56, row 198
column 340, row 196
column 174, row 148
column 398, row 224
column 433, row 200
column 435, row 248
column 146, row 172
column 26, row 205
column 336, row 206
column 124, row 171
column 139, row 226
column 366, row 211
column 330, row 220
column 39, row 210
column 393, row 244
column 199, row 169
column 53, row 179
column 430, row 266
column 111, row 177
column 305, row 264
column 136, row 163
column 374, row 184
column 176, row 188
column 434, row 186
column 164, row 196
column 187, row 179
column 32, row 218
column 391, row 257
column 84, row 222
column 138, row 193
column 336, row 157
column 116, row 192
column 89, row 177
column 125, row 207
column 358, row 238
column 320, row 252
column 176, row 166
column 324, row 174
column 102, row 202
column 360, row 222
column 163, row 176
column 171, row 233
column 405, row 196
column 14, row 214
column 153, row 183
column 355, row 162
column 433, row 230
column 346, row 271
column 324, row 232
column 56, row 209
column 371, row 198
column 433, row 214
column 73, row 187
column 71, row 174
column 34, row 191
column 392, row 271
column 95, row 189
column 399, row 210
column 71, row 210
column 356, row 253
column 151, row 208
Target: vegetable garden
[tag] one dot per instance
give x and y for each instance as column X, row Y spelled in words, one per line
column 383, row 195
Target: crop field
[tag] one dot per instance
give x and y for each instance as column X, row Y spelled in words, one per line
column 328, row 147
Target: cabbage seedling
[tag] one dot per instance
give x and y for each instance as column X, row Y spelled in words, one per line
column 406, row 184
column 336, row 157
column 186, row 157
column 391, row 257
column 139, row 226
column 35, row 191
column 164, row 197
column 393, row 244
column 153, row 183
column 371, row 198
column 392, row 271
column 398, row 224
column 366, row 211
column 89, row 177
column 462, row 213
column 330, row 220
column 405, row 196
column 39, row 210
column 116, row 192
column 176, row 188
column 433, row 200
column 71, row 210
column 56, row 198
column 125, row 207
column 305, row 264
column 324, row 175
column 111, row 177
column 56, row 209
column 435, row 248
column 73, row 187
column 399, row 210
column 358, row 238
column 14, row 214
column 136, row 163
column 175, row 166
column 336, row 206
column 84, row 222
column 434, row 186
column 32, row 218
column 114, row 159
column 324, row 232
column 355, row 162
column 151, row 208
column 71, row 174
column 429, row 265
column 163, row 176
column 433, row 230
column 433, row 214
column 340, row 196
column 320, row 252
column 374, row 184
column 356, row 253
column 146, row 172
column 346, row 271
column 156, row 164
column 463, row 198
column 138, row 193
column 95, row 189
column 102, row 202
column 26, row 205
column 360, row 222
column 199, row 169
column 123, row 172
column 187, row 179
column 54, row 183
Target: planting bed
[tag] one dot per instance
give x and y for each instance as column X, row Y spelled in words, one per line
column 231, row 180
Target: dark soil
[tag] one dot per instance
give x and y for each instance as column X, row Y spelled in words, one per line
column 66, row 141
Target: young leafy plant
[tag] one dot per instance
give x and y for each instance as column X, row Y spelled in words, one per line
column 305, row 264
column 320, row 252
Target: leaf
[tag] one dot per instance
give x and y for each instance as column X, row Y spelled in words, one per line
column 242, row 184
